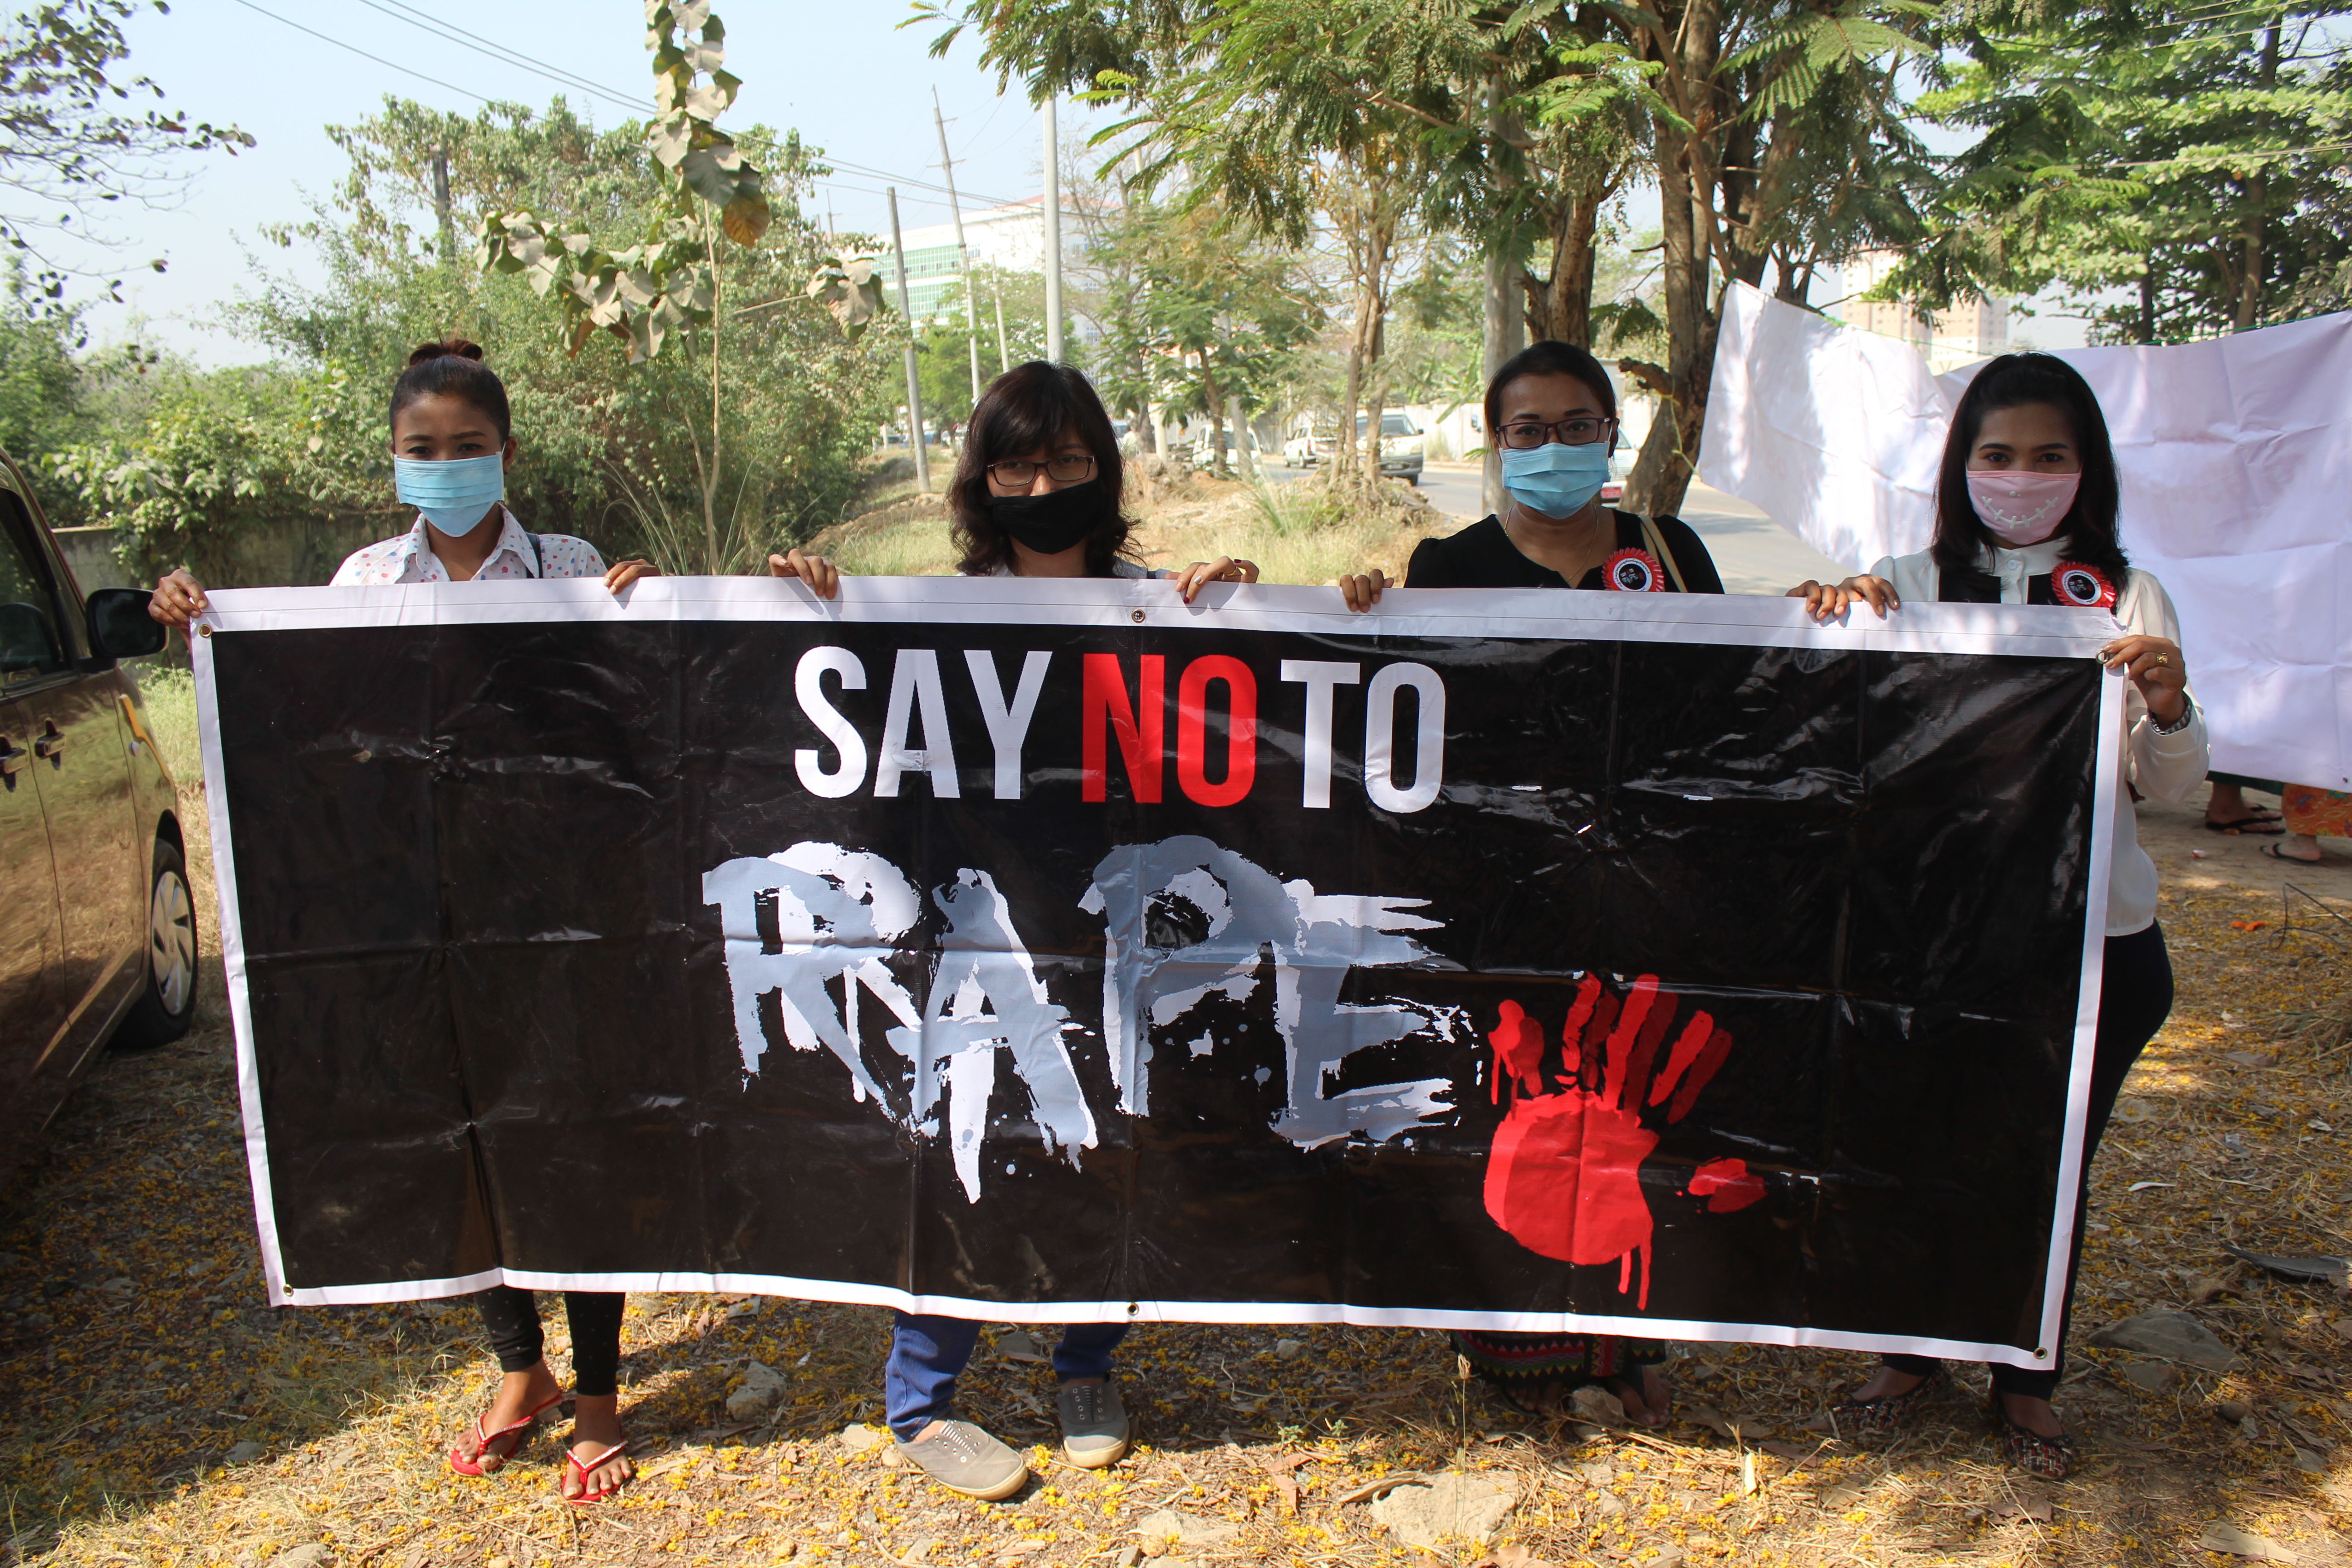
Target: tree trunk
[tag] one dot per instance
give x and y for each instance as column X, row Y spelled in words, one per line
column 1503, row 338
column 2249, row 286
column 1560, row 307
column 1662, row 474
column 1216, row 402
column 2147, row 303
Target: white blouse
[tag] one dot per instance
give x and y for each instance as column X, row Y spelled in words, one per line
column 2168, row 766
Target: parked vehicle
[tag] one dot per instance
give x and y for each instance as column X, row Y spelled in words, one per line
column 1311, row 443
column 98, row 929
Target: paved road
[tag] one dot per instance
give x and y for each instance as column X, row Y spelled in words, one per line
column 1754, row 554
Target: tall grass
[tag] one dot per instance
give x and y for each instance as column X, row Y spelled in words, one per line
column 169, row 696
column 916, row 548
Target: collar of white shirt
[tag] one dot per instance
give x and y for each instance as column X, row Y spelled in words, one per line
column 2012, row 567
column 512, row 540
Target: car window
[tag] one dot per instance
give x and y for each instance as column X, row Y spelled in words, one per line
column 1397, row 424
column 30, row 641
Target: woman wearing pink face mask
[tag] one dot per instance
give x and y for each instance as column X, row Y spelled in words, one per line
column 2025, row 514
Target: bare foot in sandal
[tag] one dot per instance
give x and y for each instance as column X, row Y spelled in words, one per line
column 2293, row 847
column 598, row 1463
column 1643, row 1392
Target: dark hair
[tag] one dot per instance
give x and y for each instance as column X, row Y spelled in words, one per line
column 2089, row 527
column 453, row 369
column 1028, row 406
column 1549, row 357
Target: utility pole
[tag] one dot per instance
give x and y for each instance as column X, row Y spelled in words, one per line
column 964, row 251
column 441, row 208
column 1052, row 236
column 914, row 367
column 1004, row 344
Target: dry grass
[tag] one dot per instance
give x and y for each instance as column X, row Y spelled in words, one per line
column 124, row 1399
column 1296, row 532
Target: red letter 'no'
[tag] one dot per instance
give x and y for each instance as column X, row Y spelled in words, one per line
column 1104, row 702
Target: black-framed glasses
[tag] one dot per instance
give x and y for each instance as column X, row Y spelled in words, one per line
column 1581, row 431
column 1019, row 473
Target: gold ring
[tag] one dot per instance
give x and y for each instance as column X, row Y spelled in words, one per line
column 2161, row 659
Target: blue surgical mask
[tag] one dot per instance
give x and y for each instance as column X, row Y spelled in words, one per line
column 456, row 495
column 1556, row 480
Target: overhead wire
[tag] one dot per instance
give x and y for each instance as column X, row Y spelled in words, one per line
column 326, row 39
column 428, row 23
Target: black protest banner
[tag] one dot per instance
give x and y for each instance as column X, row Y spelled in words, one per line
column 1060, row 951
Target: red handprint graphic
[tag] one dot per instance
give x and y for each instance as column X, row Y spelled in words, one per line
column 1563, row 1176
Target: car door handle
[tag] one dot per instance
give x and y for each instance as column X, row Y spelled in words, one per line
column 11, row 761
column 49, row 745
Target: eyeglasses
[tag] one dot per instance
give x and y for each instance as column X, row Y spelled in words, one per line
column 1019, row 473
column 1568, row 432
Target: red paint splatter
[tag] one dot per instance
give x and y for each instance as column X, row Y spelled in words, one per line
column 1563, row 1174
column 1726, row 1185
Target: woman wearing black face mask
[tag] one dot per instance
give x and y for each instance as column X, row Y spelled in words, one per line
column 1036, row 492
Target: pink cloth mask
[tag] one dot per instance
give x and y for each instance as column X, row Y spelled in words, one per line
column 2021, row 507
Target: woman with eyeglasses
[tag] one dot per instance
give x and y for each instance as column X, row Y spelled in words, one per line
column 1553, row 413
column 1036, row 494
column 1037, row 490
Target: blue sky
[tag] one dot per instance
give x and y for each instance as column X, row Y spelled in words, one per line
column 842, row 74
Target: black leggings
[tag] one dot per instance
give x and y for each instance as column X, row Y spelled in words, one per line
column 2135, row 998
column 511, row 1316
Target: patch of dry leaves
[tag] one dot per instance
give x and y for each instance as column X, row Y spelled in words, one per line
column 135, row 1357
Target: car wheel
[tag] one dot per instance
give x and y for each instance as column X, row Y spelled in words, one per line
column 168, row 1005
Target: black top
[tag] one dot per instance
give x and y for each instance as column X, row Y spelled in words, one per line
column 1483, row 556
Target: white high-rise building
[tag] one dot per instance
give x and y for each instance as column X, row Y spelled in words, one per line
column 1974, row 328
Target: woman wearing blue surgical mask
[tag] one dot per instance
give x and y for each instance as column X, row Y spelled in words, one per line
column 1553, row 413
column 452, row 442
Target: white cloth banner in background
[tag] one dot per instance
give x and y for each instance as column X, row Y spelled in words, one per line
column 2236, row 458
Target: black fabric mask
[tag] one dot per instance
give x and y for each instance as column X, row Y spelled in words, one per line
column 1052, row 523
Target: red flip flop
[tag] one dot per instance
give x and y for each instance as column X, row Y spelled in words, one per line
column 477, row 1463
column 589, row 1469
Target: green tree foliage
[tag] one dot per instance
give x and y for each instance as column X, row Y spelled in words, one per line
column 609, row 451
column 2181, row 169
column 69, row 147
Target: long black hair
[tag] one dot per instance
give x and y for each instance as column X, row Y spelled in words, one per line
column 453, row 369
column 1549, row 357
column 1031, row 405
column 2089, row 527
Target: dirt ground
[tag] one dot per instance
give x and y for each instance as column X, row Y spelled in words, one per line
column 156, row 1412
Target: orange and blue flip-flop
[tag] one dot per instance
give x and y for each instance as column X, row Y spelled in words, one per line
column 478, row 1462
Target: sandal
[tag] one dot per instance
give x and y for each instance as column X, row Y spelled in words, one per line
column 2262, row 825
column 589, row 1469
column 1878, row 1419
column 477, row 1463
column 2275, row 853
column 2051, row 1459
column 1634, row 1382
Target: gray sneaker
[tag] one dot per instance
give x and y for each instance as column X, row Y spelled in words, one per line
column 963, row 1458
column 1094, row 1424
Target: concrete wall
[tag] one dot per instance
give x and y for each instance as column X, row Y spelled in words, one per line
column 296, row 553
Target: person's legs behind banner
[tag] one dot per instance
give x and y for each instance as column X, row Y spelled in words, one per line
column 598, row 1449
column 2135, row 998
column 927, row 1355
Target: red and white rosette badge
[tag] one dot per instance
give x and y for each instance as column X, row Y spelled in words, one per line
column 1633, row 570
column 2084, row 587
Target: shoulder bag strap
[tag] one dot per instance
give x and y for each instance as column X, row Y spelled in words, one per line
column 1655, row 542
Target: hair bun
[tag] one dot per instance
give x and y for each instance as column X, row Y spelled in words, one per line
column 455, row 348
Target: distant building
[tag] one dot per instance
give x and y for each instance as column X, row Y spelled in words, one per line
column 1973, row 329
column 1011, row 238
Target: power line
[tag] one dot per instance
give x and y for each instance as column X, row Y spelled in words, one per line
column 363, row 54
column 500, row 53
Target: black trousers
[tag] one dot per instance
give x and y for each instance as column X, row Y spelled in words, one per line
column 511, row 1316
column 2135, row 998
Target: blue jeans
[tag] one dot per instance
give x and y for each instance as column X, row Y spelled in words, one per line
column 926, row 1354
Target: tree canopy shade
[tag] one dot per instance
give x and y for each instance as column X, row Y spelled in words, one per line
column 2182, row 168
column 1773, row 130
column 72, row 143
